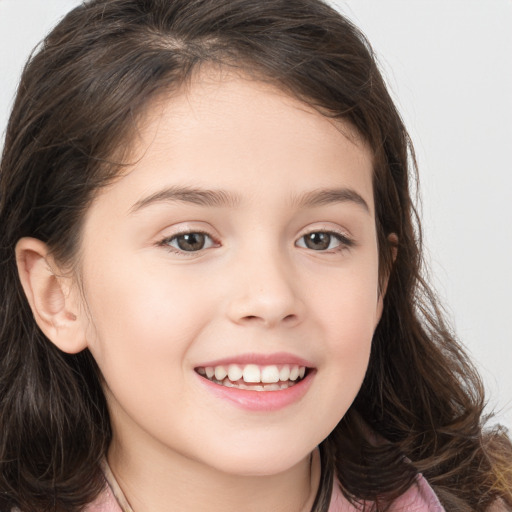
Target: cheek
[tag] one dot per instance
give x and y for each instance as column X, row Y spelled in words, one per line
column 348, row 341
column 348, row 305
column 349, row 312
column 139, row 311
column 142, row 324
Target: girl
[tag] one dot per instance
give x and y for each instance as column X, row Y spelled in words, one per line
column 211, row 277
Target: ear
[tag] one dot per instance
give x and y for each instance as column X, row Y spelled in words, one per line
column 393, row 243
column 52, row 297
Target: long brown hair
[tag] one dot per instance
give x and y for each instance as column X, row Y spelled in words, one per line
column 77, row 106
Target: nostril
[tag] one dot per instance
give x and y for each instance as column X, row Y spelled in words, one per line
column 288, row 319
column 257, row 309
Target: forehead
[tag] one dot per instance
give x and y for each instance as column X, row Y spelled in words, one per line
column 228, row 130
column 222, row 98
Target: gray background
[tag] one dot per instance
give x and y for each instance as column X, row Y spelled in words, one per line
column 447, row 64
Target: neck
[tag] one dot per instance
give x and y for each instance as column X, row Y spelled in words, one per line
column 153, row 481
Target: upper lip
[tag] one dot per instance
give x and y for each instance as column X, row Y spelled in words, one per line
column 259, row 359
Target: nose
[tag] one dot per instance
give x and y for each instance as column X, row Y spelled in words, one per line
column 265, row 292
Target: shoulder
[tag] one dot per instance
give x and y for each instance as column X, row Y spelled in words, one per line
column 418, row 498
column 105, row 502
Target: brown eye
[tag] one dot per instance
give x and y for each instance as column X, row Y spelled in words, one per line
column 323, row 241
column 189, row 242
column 317, row 241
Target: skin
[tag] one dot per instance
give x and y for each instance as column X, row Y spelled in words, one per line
column 150, row 313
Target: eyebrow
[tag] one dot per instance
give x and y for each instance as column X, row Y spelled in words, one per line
column 198, row 196
column 326, row 196
column 217, row 198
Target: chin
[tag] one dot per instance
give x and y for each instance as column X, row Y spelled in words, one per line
column 258, row 462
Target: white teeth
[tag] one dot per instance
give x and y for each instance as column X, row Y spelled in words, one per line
column 269, row 374
column 271, row 377
column 252, row 373
column 284, row 374
column 234, row 372
column 220, row 372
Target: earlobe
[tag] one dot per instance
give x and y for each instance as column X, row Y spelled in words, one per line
column 50, row 296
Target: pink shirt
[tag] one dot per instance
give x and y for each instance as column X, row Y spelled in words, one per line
column 419, row 498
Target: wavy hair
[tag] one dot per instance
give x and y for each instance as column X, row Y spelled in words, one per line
column 420, row 406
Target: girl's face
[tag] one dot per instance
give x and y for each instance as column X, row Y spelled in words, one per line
column 242, row 240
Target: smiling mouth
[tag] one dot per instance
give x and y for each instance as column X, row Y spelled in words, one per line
column 254, row 377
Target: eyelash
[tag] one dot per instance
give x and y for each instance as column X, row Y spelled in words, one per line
column 344, row 241
column 176, row 250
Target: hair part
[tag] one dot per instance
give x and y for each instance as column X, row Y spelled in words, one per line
column 78, row 106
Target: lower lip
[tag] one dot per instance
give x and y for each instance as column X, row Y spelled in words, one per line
column 260, row 400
